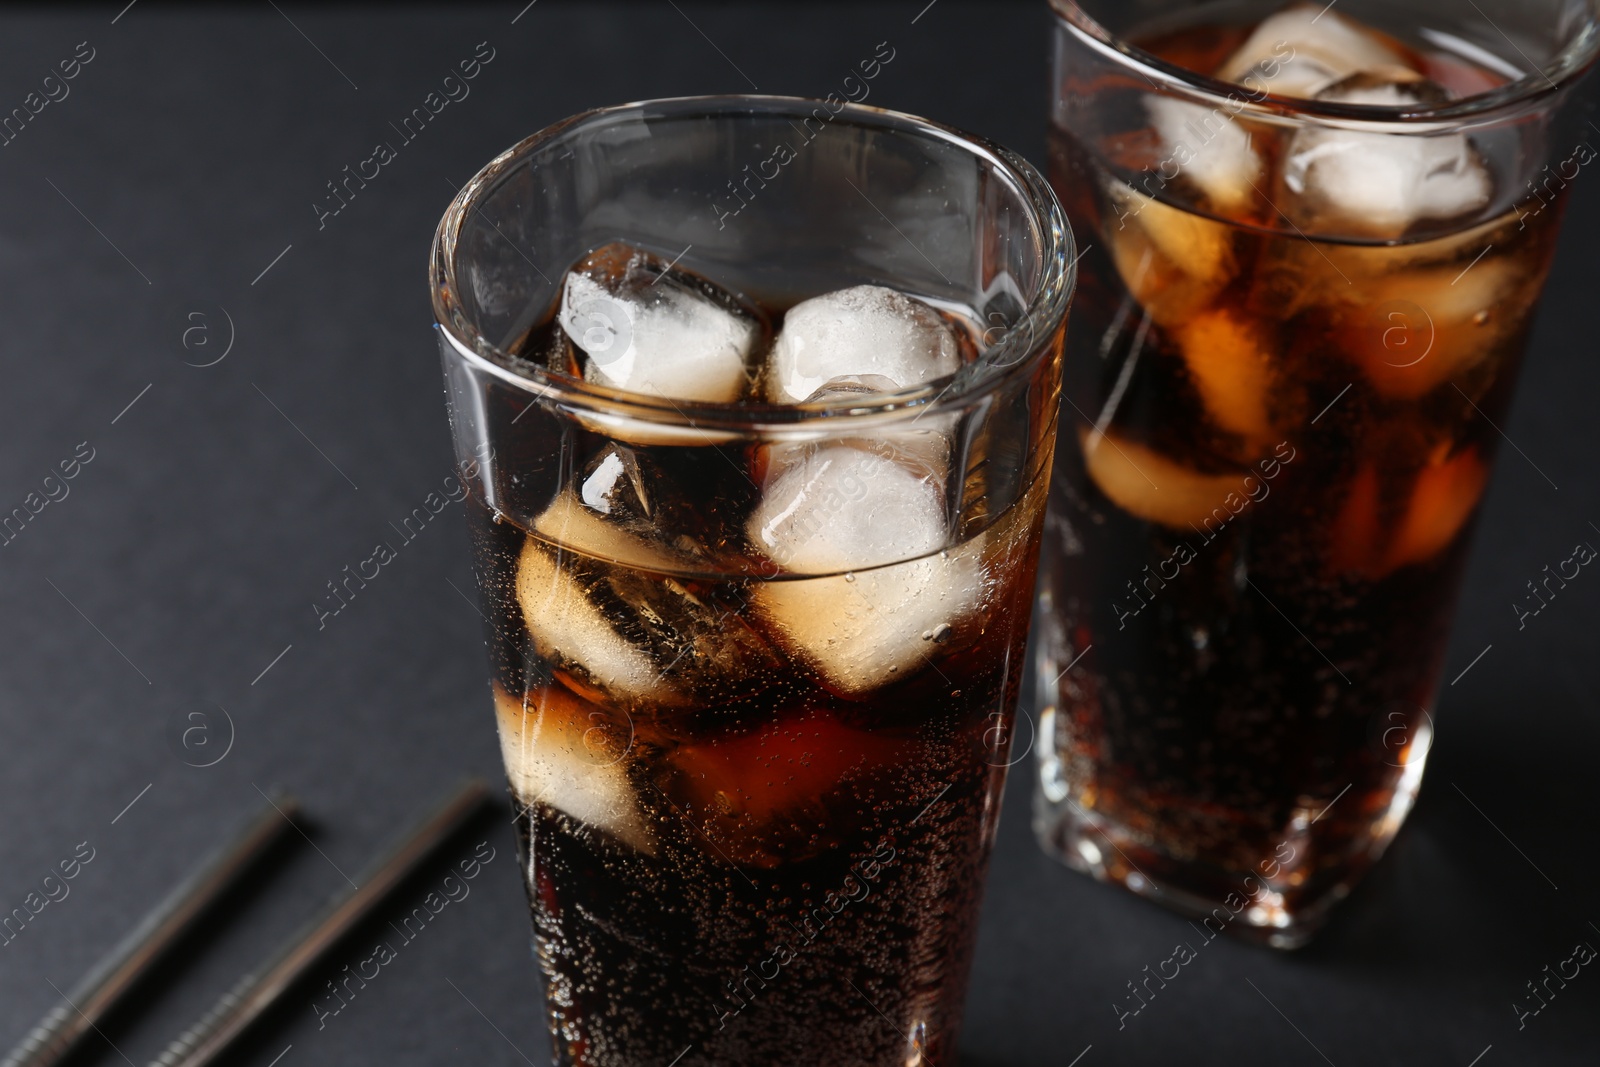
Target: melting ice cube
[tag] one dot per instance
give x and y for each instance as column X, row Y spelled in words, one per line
column 569, row 522
column 868, row 331
column 635, row 632
column 609, row 514
column 1143, row 482
column 874, row 527
column 840, row 508
column 1231, row 368
column 1297, row 52
column 1301, row 51
column 1380, row 184
column 919, row 446
column 568, row 628
column 1174, row 262
column 863, row 630
column 648, row 328
column 1210, row 147
column 552, row 757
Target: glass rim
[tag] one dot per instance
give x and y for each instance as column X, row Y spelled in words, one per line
column 1015, row 353
column 1557, row 75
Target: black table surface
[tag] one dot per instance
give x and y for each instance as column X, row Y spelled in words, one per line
column 162, row 216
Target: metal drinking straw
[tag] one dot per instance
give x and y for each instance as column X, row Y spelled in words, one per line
column 125, row 966
column 259, row 989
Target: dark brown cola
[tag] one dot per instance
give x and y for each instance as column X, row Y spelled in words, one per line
column 756, row 797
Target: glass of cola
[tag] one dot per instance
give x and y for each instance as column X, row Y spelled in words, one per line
column 756, row 402
column 1319, row 234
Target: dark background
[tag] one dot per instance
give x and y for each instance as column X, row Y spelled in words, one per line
column 190, row 550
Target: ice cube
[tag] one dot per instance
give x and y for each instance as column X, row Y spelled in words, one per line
column 1301, row 51
column 921, row 445
column 1379, row 184
column 1439, row 501
column 1231, row 369
column 1174, row 262
column 1210, row 147
column 866, row 629
column 649, row 328
column 1428, row 326
column 570, row 630
column 863, row 331
column 634, row 636
column 836, row 508
column 1443, row 498
column 565, row 753
column 569, row 522
column 1156, row 488
column 609, row 514
column 872, row 526
column 1412, row 316
column 607, row 487
column 701, row 638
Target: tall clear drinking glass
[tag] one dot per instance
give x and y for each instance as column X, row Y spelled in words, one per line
column 1318, row 235
column 757, row 562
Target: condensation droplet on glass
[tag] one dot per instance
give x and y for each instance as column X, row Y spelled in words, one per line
column 939, row 634
column 1481, row 318
column 850, row 577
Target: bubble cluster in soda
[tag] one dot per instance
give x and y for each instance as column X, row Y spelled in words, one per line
column 1292, row 344
column 747, row 690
